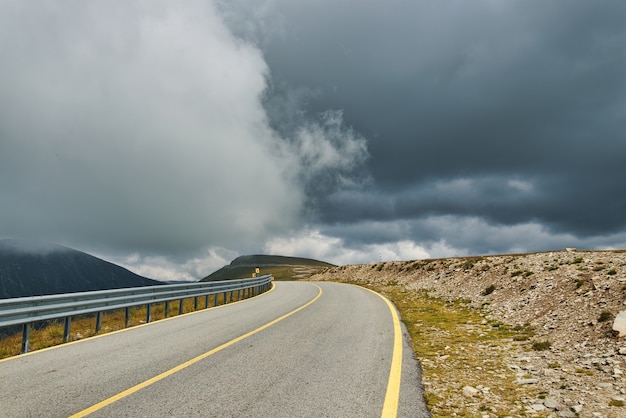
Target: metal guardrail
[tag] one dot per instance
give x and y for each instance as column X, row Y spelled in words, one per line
column 26, row 310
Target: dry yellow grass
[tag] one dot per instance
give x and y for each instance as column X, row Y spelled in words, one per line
column 457, row 347
column 85, row 326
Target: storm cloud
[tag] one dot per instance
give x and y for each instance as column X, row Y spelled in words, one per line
column 173, row 137
column 508, row 115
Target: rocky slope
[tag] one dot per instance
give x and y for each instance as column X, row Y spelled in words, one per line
column 570, row 299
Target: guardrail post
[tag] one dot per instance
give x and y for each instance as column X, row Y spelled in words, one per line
column 148, row 312
column 98, row 322
column 66, row 328
column 127, row 317
column 25, row 337
column 181, row 307
column 167, row 308
column 206, row 302
column 195, row 303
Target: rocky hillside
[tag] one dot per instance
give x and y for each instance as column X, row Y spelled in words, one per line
column 570, row 299
column 34, row 269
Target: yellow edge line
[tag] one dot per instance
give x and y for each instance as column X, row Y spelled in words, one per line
column 186, row 364
column 392, row 397
column 106, row 334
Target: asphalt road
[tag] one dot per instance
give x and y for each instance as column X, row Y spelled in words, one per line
column 301, row 350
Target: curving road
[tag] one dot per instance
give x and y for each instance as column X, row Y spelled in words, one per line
column 300, row 350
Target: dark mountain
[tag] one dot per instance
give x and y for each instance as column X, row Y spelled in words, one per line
column 32, row 269
column 281, row 267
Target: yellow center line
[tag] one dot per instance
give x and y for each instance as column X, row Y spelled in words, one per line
column 392, row 397
column 186, row 364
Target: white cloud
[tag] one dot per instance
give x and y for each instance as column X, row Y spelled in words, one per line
column 520, row 185
column 313, row 244
column 139, row 128
column 328, row 144
column 307, row 243
column 138, row 125
column 164, row 269
column 428, row 237
column 468, row 232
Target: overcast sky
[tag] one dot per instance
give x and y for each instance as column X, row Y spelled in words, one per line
column 171, row 137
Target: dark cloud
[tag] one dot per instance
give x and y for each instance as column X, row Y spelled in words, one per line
column 461, row 100
column 176, row 136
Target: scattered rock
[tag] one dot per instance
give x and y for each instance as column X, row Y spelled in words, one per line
column 619, row 324
column 470, row 392
column 527, row 381
column 538, row 407
column 576, row 408
column 551, row 404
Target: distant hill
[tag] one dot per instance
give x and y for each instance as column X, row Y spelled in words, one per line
column 281, row 267
column 30, row 268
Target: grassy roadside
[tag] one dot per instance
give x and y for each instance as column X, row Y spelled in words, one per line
column 457, row 347
column 85, row 326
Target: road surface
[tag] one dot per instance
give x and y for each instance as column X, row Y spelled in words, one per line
column 300, row 350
